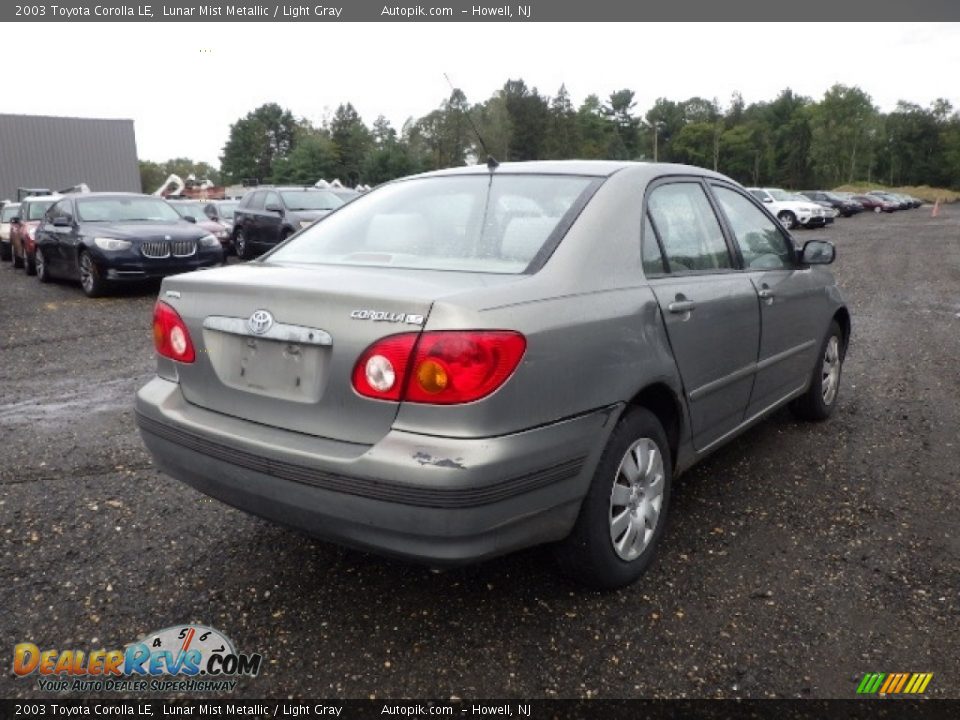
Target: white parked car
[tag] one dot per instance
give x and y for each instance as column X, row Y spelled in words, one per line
column 790, row 210
column 8, row 211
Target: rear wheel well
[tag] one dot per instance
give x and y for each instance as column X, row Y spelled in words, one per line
column 662, row 402
column 842, row 316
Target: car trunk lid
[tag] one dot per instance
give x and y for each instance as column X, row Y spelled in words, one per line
column 292, row 369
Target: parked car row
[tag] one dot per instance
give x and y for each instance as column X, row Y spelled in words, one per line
column 100, row 238
column 816, row 208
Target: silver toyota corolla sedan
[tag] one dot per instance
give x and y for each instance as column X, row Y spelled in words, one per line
column 464, row 363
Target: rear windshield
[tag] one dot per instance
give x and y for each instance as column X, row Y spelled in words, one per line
column 9, row 212
column 36, row 209
column 126, row 209
column 477, row 223
column 310, row 200
column 226, row 210
column 194, row 210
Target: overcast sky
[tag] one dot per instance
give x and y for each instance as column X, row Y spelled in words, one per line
column 184, row 84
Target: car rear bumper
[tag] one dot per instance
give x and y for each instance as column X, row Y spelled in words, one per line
column 441, row 501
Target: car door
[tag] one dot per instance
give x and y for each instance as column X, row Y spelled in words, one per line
column 248, row 217
column 709, row 308
column 271, row 220
column 57, row 237
column 790, row 298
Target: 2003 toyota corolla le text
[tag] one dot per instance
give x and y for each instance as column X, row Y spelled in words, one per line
column 585, row 331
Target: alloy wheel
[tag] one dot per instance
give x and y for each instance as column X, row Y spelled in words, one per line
column 87, row 270
column 636, row 499
column 830, row 370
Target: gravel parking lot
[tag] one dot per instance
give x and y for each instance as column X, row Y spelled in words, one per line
column 799, row 557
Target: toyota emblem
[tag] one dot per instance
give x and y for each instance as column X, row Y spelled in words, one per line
column 260, row 322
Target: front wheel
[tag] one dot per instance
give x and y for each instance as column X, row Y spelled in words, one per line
column 30, row 264
column 821, row 397
column 240, row 245
column 6, row 253
column 40, row 265
column 624, row 512
column 787, row 219
column 90, row 280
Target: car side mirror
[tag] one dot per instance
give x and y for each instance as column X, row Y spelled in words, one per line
column 15, row 220
column 273, row 207
column 61, row 221
column 190, row 219
column 818, row 252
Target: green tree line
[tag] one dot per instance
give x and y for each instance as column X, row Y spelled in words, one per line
column 792, row 140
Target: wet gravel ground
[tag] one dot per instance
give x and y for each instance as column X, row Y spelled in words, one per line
column 799, row 556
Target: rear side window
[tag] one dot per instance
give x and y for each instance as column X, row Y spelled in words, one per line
column 9, row 212
column 761, row 243
column 256, row 201
column 475, row 223
column 36, row 210
column 650, row 255
column 688, row 228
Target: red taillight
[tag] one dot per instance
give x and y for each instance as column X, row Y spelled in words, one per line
column 447, row 368
column 170, row 335
column 381, row 370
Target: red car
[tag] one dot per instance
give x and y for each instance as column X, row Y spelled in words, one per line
column 23, row 227
column 875, row 203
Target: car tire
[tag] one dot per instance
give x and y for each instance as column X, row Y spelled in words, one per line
column 818, row 402
column 598, row 552
column 6, row 254
column 90, row 279
column 40, row 265
column 240, row 246
column 787, row 219
column 30, row 264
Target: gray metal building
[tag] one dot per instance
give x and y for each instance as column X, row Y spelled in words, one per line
column 41, row 151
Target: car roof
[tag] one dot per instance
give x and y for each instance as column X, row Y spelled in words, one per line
column 581, row 168
column 53, row 197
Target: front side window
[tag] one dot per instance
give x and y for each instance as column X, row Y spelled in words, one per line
column 475, row 223
column 761, row 243
column 271, row 199
column 61, row 209
column 688, row 229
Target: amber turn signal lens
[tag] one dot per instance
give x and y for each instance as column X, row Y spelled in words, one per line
column 432, row 376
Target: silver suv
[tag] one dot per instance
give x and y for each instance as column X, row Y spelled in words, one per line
column 464, row 363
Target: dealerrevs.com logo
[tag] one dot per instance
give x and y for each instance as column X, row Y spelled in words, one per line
column 184, row 658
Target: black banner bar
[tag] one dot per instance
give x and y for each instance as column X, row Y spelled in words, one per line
column 891, row 709
column 479, row 11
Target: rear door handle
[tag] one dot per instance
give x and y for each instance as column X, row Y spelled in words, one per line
column 680, row 307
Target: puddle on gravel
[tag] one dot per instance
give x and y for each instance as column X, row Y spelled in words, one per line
column 67, row 401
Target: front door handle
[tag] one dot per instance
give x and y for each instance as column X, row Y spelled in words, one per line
column 766, row 294
column 681, row 307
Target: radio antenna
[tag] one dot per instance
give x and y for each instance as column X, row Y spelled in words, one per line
column 492, row 162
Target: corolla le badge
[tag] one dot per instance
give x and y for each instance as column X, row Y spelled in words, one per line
column 260, row 322
column 384, row 316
